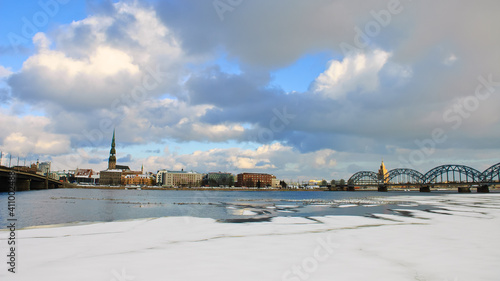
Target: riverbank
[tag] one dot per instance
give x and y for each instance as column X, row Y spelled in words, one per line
column 493, row 188
column 190, row 188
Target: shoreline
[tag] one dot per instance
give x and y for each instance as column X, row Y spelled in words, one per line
column 492, row 189
column 191, row 188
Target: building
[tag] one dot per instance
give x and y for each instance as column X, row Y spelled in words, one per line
column 84, row 176
column 314, row 182
column 110, row 177
column 218, row 179
column 32, row 169
column 113, row 175
column 382, row 172
column 178, row 178
column 140, row 179
column 275, row 183
column 254, row 180
column 71, row 175
column 61, row 176
column 44, row 168
column 96, row 177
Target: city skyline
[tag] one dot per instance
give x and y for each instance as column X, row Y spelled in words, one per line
column 316, row 90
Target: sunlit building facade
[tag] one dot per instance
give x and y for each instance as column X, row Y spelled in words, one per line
column 178, row 178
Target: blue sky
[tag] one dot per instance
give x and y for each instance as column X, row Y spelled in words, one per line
column 15, row 14
column 252, row 88
column 298, row 75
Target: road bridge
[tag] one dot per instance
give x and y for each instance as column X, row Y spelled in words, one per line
column 22, row 181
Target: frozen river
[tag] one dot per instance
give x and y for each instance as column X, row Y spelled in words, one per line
column 348, row 236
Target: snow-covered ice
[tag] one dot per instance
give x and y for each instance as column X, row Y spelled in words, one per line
column 457, row 240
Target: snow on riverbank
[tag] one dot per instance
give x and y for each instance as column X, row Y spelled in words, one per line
column 458, row 241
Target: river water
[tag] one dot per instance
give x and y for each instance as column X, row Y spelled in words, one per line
column 63, row 206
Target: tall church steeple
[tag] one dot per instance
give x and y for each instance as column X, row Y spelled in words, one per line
column 112, row 154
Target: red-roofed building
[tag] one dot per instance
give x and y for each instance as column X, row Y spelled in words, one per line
column 85, row 176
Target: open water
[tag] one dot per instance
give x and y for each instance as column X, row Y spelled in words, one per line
column 63, row 206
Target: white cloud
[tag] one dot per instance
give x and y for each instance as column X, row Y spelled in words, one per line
column 4, row 72
column 220, row 132
column 357, row 72
column 41, row 41
column 283, row 161
column 21, row 136
column 101, row 59
column 102, row 63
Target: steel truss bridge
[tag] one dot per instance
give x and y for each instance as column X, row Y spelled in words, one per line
column 463, row 177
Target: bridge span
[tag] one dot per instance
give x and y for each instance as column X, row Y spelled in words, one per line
column 445, row 176
column 22, row 181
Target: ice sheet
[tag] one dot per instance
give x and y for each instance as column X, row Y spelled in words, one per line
column 457, row 241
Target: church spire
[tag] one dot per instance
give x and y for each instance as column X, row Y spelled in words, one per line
column 112, row 154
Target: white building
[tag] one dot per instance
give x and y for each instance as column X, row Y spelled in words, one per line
column 44, row 168
column 178, row 178
column 275, row 183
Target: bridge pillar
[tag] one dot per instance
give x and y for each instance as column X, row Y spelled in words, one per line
column 483, row 189
column 23, row 185
column 425, row 188
column 464, row 190
column 382, row 188
column 4, row 184
column 350, row 188
column 37, row 185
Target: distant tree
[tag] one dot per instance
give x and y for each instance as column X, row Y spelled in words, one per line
column 258, row 184
column 283, row 184
column 333, row 182
column 324, row 183
column 229, row 181
column 342, row 182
